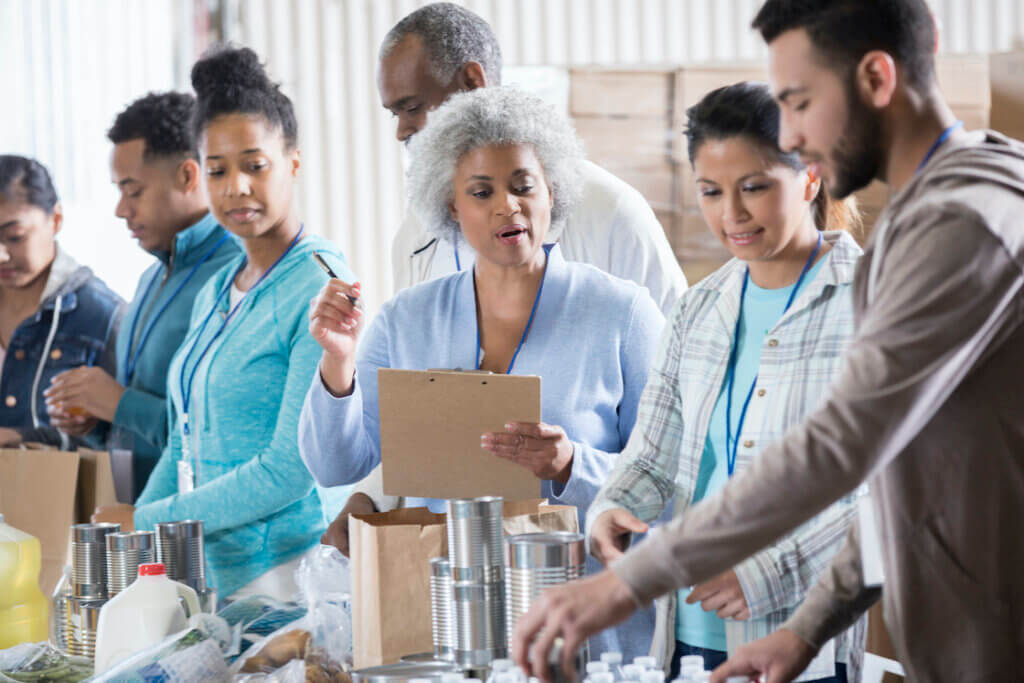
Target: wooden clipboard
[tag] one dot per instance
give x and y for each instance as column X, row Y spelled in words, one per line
column 430, row 427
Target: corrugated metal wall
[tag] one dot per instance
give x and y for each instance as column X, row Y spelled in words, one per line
column 71, row 65
column 68, row 67
column 324, row 51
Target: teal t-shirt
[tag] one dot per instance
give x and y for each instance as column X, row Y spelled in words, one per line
column 761, row 309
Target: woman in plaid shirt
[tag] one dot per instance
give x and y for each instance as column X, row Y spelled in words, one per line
column 749, row 351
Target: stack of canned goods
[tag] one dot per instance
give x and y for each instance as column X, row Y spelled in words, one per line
column 81, row 609
column 105, row 561
column 475, row 553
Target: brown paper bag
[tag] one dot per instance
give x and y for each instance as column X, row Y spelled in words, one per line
column 536, row 516
column 390, row 562
column 43, row 492
column 390, row 554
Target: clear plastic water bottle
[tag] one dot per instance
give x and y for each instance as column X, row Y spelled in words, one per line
column 647, row 662
column 691, row 664
column 602, row 677
column 597, row 668
column 499, row 667
column 632, row 672
column 614, row 662
column 454, row 677
column 650, row 676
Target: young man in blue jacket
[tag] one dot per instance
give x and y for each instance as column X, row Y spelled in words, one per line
column 163, row 202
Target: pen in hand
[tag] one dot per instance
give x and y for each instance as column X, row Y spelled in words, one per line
column 356, row 302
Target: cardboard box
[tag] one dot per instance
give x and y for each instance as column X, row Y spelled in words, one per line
column 626, row 143
column 1006, row 74
column 698, row 252
column 632, row 93
column 43, row 492
column 964, row 80
column 692, row 83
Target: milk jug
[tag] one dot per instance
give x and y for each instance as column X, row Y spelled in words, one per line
column 24, row 610
column 142, row 615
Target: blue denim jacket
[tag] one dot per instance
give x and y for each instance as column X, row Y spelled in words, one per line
column 87, row 315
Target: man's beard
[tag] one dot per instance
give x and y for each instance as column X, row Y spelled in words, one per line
column 859, row 154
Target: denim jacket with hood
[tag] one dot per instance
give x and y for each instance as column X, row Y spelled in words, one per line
column 76, row 324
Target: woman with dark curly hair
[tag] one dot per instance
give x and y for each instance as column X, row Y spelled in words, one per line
column 237, row 382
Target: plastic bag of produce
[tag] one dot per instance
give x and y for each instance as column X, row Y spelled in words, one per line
column 42, row 663
column 317, row 647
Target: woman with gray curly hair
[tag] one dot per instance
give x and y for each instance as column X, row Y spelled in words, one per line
column 497, row 165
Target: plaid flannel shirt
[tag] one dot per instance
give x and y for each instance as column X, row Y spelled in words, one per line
column 799, row 359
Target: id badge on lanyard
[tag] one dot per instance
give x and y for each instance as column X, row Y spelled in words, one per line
column 186, row 473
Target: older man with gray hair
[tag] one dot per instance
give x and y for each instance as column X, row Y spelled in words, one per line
column 441, row 49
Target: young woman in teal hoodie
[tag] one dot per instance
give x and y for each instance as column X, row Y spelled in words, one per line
column 237, row 383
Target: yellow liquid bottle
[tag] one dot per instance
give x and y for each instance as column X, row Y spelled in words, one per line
column 24, row 610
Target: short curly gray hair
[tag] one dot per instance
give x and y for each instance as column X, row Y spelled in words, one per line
column 452, row 36
column 481, row 118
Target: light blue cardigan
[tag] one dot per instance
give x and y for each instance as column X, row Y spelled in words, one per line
column 253, row 494
column 592, row 341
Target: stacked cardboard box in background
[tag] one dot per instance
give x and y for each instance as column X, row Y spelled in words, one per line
column 631, row 123
column 1006, row 76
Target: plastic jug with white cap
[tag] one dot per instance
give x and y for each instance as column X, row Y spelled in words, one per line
column 142, row 615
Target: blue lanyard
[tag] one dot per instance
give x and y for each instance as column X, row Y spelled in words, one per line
column 186, row 388
column 938, row 143
column 131, row 359
column 529, row 323
column 731, row 445
column 458, row 265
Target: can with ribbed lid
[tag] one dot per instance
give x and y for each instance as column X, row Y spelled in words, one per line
column 403, row 673
column 83, row 618
column 89, row 559
column 537, row 562
column 180, row 547
column 441, row 611
column 480, row 623
column 475, row 536
column 125, row 552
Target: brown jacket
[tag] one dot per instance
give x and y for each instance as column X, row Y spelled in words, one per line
column 929, row 409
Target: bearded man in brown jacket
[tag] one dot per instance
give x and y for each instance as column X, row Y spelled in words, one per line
column 929, row 409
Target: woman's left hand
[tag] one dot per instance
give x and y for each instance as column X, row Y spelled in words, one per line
column 722, row 595
column 9, row 437
column 543, row 449
column 84, row 392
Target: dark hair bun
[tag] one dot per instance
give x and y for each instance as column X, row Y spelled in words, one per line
column 226, row 67
column 231, row 80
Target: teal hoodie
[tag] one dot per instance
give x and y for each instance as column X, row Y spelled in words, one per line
column 158, row 316
column 253, row 493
